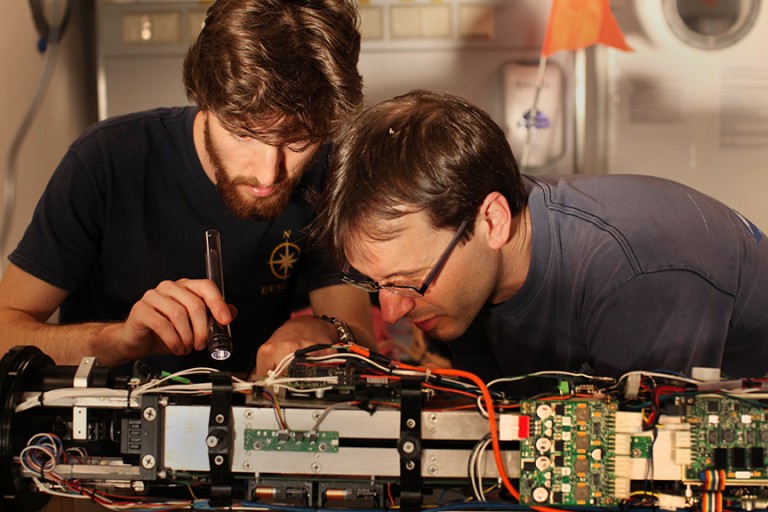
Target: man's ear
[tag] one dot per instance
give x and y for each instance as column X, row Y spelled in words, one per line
column 497, row 219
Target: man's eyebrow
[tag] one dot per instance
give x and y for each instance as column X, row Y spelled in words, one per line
column 401, row 273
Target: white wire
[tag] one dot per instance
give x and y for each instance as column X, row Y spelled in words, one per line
column 47, row 489
column 64, row 396
column 550, row 373
column 180, row 374
column 56, row 396
column 325, row 414
column 660, row 375
column 477, row 458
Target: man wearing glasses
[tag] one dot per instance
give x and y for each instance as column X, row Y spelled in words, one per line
column 600, row 274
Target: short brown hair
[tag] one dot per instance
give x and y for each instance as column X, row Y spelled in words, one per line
column 281, row 70
column 421, row 151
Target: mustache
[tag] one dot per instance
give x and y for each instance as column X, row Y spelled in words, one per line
column 280, row 182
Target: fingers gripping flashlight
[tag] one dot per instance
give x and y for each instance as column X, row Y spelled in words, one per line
column 219, row 336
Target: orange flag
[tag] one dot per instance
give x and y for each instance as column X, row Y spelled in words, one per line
column 575, row 24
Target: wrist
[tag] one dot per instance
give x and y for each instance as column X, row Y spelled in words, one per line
column 343, row 330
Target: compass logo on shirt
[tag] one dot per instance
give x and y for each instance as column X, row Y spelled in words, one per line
column 283, row 258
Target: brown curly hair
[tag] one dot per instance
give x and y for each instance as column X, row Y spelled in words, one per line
column 283, row 71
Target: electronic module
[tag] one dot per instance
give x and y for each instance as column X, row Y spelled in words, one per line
column 354, row 429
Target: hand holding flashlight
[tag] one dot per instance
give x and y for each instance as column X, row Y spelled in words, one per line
column 219, row 336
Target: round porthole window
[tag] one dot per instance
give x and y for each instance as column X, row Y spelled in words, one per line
column 711, row 24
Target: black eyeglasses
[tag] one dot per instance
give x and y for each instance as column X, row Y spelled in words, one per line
column 371, row 286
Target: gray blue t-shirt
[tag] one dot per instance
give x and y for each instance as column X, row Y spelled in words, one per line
column 629, row 273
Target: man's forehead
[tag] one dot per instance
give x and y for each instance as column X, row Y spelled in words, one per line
column 383, row 243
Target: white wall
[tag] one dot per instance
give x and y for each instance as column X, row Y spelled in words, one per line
column 734, row 176
column 68, row 108
column 696, row 116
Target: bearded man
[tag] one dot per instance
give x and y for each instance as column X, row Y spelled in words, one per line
column 117, row 240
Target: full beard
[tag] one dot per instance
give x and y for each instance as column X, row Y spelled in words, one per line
column 240, row 203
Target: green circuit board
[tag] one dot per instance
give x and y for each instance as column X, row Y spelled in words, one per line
column 727, row 435
column 290, row 441
column 566, row 460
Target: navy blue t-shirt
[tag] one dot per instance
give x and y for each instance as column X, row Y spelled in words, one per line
column 128, row 207
column 629, row 273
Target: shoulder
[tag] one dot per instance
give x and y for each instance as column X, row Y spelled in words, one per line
column 124, row 129
column 658, row 224
column 632, row 202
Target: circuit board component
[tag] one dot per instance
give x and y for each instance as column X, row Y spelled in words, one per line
column 290, row 441
column 727, row 435
column 567, row 458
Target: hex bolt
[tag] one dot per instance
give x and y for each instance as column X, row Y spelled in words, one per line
column 149, row 414
column 410, row 423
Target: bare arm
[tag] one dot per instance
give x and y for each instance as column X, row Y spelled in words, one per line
column 340, row 301
column 169, row 319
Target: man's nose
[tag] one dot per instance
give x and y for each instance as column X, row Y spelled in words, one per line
column 393, row 306
column 269, row 163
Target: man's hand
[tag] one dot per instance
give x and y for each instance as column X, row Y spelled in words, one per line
column 295, row 334
column 172, row 319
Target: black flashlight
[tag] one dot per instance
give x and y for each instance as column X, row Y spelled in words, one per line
column 219, row 336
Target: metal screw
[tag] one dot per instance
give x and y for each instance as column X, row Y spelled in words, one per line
column 410, row 423
column 315, row 467
column 247, row 465
column 148, row 462
column 248, row 413
column 150, row 414
column 433, row 418
column 219, row 418
column 218, row 460
column 211, row 441
column 432, row 469
column 315, row 415
column 410, row 465
column 409, row 447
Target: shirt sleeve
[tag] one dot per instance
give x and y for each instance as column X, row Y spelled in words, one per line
column 61, row 242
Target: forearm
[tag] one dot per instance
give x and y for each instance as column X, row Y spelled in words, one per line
column 65, row 344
